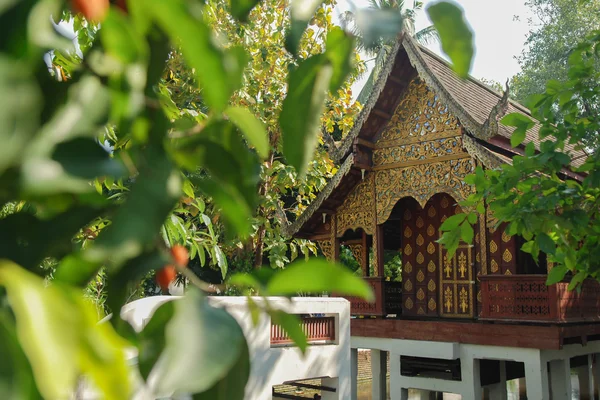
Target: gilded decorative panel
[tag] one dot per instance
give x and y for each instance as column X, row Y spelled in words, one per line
column 417, row 151
column 419, row 113
column 326, row 247
column 421, row 182
column 357, row 211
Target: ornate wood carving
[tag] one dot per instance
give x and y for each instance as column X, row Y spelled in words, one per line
column 357, row 211
column 326, row 247
column 501, row 249
column 421, row 182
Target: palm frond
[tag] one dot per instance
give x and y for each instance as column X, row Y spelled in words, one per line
column 427, row 35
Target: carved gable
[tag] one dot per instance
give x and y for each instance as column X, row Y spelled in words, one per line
column 358, row 209
column 420, row 152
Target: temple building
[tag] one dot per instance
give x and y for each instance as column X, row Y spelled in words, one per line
column 457, row 324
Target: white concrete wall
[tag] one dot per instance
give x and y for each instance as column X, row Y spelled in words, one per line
column 276, row 365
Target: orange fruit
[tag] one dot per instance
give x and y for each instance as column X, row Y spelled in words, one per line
column 165, row 276
column 180, row 255
column 93, row 10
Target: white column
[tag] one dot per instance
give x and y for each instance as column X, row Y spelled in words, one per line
column 596, row 373
column 397, row 392
column 586, row 380
column 379, row 374
column 333, row 383
column 560, row 379
column 471, row 379
column 536, row 379
column 498, row 391
column 354, row 373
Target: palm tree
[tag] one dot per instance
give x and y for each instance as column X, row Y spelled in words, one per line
column 379, row 49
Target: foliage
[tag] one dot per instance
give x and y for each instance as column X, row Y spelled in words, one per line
column 556, row 28
column 101, row 170
column 550, row 194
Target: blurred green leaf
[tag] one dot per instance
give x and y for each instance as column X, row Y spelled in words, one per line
column 241, row 8
column 378, row 26
column 315, row 276
column 455, row 35
column 545, row 243
column 152, row 339
column 252, row 128
column 198, row 331
column 340, row 53
column 219, row 72
column 521, row 123
column 120, row 38
column 301, row 13
column 57, row 327
column 85, row 158
column 301, row 113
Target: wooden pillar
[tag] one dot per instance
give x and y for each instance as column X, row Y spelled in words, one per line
column 335, row 241
column 364, row 254
column 378, row 241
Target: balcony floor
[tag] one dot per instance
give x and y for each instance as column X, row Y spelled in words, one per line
column 547, row 337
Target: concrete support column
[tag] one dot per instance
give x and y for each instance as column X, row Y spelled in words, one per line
column 560, row 379
column 333, row 383
column 596, row 373
column 354, row 373
column 379, row 374
column 397, row 392
column 498, row 391
column 586, row 380
column 471, row 380
column 536, row 379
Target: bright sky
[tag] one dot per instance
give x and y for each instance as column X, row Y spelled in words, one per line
column 499, row 37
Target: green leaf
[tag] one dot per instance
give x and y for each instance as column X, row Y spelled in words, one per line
column 232, row 386
column 219, row 72
column 120, row 39
column 455, row 35
column 57, row 327
column 453, row 222
column 545, row 243
column 152, row 339
column 301, row 113
column 85, row 158
column 517, row 137
column 301, row 13
column 577, row 280
column 291, row 324
column 340, row 52
column 378, row 25
column 198, row 331
column 466, row 233
column 241, row 8
column 521, row 123
column 315, row 276
column 556, row 274
column 252, row 128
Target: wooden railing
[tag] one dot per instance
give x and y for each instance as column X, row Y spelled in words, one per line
column 316, row 329
column 360, row 306
column 527, row 298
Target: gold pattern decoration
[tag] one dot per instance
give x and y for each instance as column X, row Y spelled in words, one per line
column 430, row 230
column 420, row 113
column 431, row 304
column 357, row 252
column 447, row 266
column 431, row 285
column 420, row 240
column 420, row 222
column 420, row 276
column 479, row 296
column 408, row 304
column 444, row 203
column 448, row 299
column 483, row 249
column 411, row 152
column 505, row 237
column 462, row 264
column 431, row 248
column 477, row 238
column 463, row 299
column 493, row 246
column 508, row 272
column 431, row 212
column 421, row 182
column 494, row 266
column 408, row 267
column 507, row 256
column 421, row 311
column 407, row 215
column 407, row 232
column 408, row 249
column 431, row 266
column 420, row 258
column 477, row 258
column 357, row 211
column 420, row 294
column 408, row 285
column 326, row 247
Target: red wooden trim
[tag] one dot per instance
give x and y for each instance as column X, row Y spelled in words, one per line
column 316, row 329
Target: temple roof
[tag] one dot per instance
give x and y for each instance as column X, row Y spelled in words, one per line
column 477, row 107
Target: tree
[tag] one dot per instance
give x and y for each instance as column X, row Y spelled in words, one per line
column 556, row 28
column 538, row 194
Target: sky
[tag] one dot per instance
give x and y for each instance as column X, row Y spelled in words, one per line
column 499, row 36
